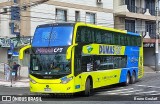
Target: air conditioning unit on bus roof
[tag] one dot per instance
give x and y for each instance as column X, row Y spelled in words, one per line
column 99, row 1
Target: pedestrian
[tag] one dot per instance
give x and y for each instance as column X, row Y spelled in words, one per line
column 15, row 69
column 7, row 71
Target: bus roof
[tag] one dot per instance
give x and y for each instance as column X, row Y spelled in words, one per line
column 57, row 24
column 107, row 28
column 90, row 25
column 131, row 33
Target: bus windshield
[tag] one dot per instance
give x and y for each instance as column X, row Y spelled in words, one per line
column 49, row 64
column 47, row 36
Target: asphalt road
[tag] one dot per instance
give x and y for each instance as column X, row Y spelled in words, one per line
column 135, row 93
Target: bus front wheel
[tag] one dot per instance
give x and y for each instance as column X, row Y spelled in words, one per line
column 88, row 88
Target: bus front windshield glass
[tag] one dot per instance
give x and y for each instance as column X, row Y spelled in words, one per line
column 50, row 64
column 47, row 36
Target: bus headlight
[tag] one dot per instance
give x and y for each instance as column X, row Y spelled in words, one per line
column 33, row 81
column 65, row 80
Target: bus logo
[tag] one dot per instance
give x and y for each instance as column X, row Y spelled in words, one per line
column 89, row 48
column 103, row 49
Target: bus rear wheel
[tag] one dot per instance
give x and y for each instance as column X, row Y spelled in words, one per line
column 88, row 88
column 128, row 80
column 133, row 78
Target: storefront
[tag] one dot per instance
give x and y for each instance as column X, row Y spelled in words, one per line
column 149, row 54
column 9, row 49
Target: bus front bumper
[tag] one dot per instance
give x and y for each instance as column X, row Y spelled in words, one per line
column 51, row 88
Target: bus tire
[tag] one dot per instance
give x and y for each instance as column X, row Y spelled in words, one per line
column 88, row 88
column 128, row 80
column 133, row 78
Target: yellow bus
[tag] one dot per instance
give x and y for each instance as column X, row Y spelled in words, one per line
column 79, row 57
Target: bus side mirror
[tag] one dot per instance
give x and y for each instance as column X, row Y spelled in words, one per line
column 21, row 52
column 69, row 50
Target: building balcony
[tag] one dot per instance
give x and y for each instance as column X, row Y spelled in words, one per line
column 147, row 35
column 135, row 9
column 140, row 10
column 134, row 12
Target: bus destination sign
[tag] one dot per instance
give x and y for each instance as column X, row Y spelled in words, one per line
column 50, row 50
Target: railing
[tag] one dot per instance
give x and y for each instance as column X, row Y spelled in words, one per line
column 136, row 9
column 152, row 12
column 145, row 33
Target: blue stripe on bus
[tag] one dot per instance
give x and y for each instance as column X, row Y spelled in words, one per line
column 132, row 56
column 124, row 72
column 132, row 62
column 131, row 33
column 123, row 75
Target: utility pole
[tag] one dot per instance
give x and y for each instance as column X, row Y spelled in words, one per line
column 157, row 36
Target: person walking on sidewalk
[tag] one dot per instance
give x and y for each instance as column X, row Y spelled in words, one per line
column 15, row 69
column 7, row 71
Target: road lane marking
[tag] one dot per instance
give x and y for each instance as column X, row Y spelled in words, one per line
column 150, row 72
column 155, row 94
column 145, row 92
column 126, row 92
column 120, row 90
column 148, row 86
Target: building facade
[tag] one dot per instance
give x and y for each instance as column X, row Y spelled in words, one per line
column 21, row 17
column 138, row 16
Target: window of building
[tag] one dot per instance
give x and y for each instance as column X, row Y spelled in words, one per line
column 90, row 17
column 130, row 5
column 77, row 16
column 61, row 15
column 130, row 25
column 151, row 29
column 150, row 4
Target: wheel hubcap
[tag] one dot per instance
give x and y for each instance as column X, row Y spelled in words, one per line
column 127, row 79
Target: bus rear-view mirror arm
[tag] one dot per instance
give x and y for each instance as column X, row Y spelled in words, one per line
column 21, row 52
column 68, row 53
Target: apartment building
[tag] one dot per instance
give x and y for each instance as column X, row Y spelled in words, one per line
column 21, row 17
column 138, row 16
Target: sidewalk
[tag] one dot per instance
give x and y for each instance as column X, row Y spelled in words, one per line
column 149, row 68
column 23, row 82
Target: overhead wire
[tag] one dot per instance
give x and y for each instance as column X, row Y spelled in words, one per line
column 43, row 19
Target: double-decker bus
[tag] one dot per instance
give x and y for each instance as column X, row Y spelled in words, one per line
column 79, row 57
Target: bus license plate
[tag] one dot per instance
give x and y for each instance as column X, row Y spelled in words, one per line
column 47, row 89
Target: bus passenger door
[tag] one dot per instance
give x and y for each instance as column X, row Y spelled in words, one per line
column 77, row 73
column 77, row 69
